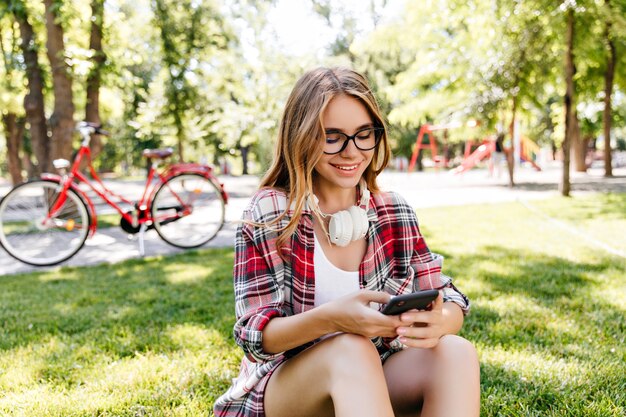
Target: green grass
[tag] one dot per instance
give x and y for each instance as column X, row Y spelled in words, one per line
column 154, row 337
column 109, row 220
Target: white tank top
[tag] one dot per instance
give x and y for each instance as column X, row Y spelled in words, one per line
column 330, row 281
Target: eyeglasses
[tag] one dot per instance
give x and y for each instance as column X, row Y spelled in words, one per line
column 365, row 140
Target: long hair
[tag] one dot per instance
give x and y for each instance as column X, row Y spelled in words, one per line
column 301, row 134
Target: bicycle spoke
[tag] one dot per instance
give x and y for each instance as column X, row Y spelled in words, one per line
column 188, row 210
column 30, row 233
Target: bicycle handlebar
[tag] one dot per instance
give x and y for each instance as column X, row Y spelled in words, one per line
column 88, row 128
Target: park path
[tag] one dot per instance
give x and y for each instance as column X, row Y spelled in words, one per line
column 429, row 189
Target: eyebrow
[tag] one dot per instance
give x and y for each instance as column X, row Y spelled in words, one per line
column 335, row 129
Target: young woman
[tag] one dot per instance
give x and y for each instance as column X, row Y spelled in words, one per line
column 319, row 250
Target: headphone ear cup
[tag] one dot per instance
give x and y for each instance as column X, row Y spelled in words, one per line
column 359, row 222
column 340, row 228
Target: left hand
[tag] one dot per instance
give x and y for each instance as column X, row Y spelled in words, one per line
column 421, row 328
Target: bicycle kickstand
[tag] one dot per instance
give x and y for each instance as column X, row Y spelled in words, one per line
column 142, row 230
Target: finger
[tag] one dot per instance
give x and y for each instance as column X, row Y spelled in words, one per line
column 419, row 316
column 438, row 303
column 418, row 332
column 374, row 296
column 419, row 343
column 384, row 320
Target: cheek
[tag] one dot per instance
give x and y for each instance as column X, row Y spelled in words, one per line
column 368, row 158
column 322, row 165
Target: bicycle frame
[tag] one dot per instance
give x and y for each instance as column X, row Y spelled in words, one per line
column 75, row 177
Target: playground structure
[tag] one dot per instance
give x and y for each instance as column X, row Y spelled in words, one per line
column 528, row 148
column 488, row 145
column 428, row 129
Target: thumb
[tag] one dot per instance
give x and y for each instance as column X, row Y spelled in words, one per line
column 375, row 296
column 438, row 301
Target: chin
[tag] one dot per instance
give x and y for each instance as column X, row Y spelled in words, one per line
column 344, row 181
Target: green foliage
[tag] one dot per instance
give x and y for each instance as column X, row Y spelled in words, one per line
column 454, row 60
column 212, row 76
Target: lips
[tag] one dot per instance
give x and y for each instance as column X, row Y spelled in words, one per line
column 346, row 168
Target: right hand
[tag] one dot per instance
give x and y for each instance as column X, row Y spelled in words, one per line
column 353, row 314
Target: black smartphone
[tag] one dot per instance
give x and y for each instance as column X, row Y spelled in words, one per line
column 416, row 300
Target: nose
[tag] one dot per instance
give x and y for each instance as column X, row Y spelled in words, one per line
column 350, row 148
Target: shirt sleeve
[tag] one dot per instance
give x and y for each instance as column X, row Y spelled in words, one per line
column 258, row 293
column 427, row 268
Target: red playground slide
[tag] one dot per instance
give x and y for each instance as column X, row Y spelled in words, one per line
column 482, row 152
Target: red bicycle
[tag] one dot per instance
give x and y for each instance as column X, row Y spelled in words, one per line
column 46, row 221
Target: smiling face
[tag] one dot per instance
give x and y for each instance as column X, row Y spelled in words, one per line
column 343, row 170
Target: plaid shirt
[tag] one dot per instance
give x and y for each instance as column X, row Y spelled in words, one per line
column 396, row 261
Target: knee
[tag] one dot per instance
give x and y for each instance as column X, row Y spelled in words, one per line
column 347, row 346
column 352, row 354
column 453, row 348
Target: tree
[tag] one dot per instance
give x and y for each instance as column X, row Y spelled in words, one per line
column 614, row 35
column 12, row 123
column 98, row 57
column 571, row 120
column 62, row 118
column 188, row 29
column 34, row 99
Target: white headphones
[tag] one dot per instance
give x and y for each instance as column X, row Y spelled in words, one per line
column 348, row 225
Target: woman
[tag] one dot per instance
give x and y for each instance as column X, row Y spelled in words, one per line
column 320, row 249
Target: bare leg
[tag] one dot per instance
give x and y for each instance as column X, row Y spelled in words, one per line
column 341, row 376
column 443, row 381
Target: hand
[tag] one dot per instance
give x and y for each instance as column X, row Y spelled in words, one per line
column 422, row 329
column 352, row 314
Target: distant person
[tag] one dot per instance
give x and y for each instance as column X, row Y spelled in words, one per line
column 320, row 247
column 498, row 157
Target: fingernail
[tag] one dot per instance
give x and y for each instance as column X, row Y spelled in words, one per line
column 401, row 330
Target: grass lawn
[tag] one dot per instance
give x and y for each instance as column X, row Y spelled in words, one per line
column 153, row 337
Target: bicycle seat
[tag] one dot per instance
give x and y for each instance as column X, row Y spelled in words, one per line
column 157, row 153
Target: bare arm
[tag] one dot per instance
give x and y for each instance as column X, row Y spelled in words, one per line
column 349, row 314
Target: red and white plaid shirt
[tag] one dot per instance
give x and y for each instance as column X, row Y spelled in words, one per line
column 396, row 261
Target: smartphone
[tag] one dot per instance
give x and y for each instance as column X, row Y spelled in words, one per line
column 416, row 300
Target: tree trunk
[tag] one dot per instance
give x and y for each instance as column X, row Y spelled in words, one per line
column 244, row 158
column 92, row 107
column 579, row 147
column 180, row 130
column 14, row 129
column 608, row 90
column 570, row 104
column 34, row 99
column 62, row 119
column 510, row 155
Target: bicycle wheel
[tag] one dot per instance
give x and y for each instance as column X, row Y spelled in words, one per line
column 27, row 233
column 188, row 210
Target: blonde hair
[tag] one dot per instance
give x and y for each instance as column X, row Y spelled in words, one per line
column 301, row 134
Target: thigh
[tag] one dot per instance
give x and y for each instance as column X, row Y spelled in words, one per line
column 408, row 374
column 444, row 380
column 304, row 385
column 292, row 389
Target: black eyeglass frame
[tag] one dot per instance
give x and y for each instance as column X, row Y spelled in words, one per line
column 378, row 134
